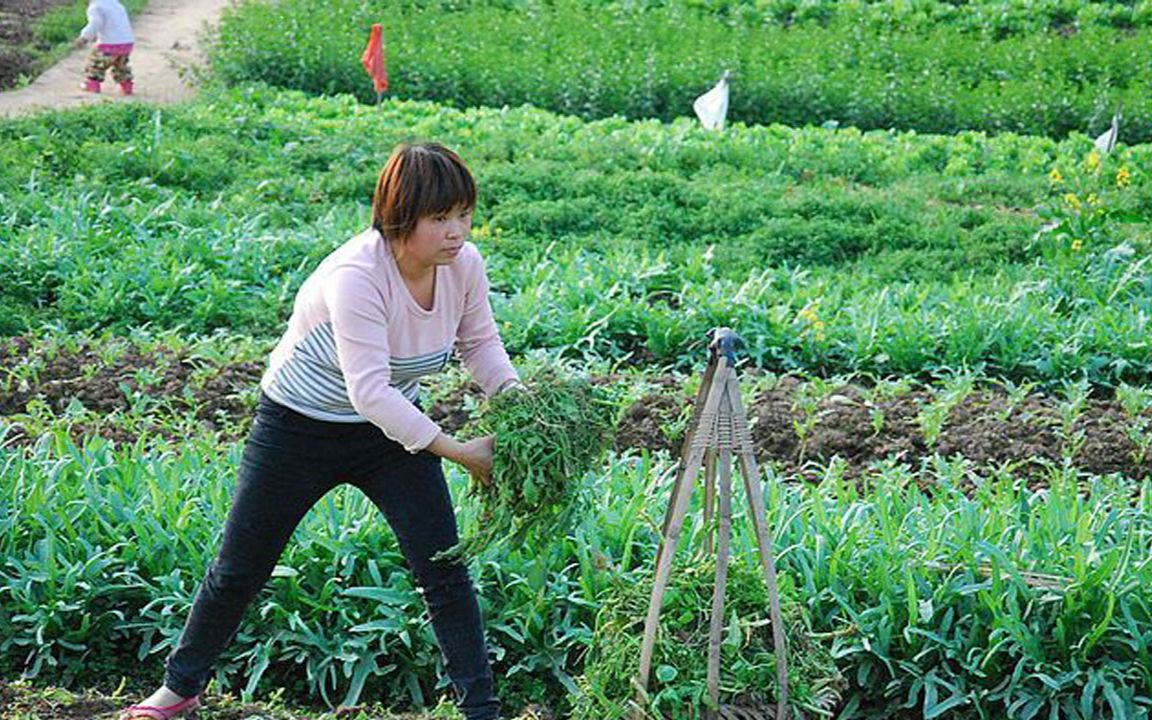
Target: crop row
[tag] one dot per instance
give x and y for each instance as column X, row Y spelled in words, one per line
column 595, row 60
column 980, row 594
column 626, row 240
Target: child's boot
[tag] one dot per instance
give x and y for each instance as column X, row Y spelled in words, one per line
column 126, row 88
column 92, row 86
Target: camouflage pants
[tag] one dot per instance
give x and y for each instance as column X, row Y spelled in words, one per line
column 99, row 63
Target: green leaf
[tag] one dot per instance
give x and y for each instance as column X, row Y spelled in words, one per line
column 1119, row 708
column 940, row 708
column 386, row 596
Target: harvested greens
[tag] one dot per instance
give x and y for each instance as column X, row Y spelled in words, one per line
column 549, row 435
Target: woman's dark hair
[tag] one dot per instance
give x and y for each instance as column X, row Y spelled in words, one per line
column 420, row 180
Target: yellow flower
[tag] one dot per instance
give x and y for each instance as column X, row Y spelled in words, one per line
column 1077, row 244
column 1123, row 178
column 1093, row 199
column 818, row 330
column 1072, row 201
column 1055, row 177
column 815, row 324
column 1093, row 160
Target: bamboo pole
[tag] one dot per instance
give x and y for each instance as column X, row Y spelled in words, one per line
column 709, row 497
column 751, row 472
column 681, row 494
column 723, row 549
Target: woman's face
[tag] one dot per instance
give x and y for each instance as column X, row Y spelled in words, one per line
column 438, row 239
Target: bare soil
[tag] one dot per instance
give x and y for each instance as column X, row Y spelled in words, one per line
column 215, row 394
column 985, row 428
column 20, row 51
column 19, row 701
column 16, row 702
column 853, row 423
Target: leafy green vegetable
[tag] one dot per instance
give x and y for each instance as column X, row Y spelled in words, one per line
column 549, row 436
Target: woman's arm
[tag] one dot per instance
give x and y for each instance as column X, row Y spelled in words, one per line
column 477, row 339
column 475, row 455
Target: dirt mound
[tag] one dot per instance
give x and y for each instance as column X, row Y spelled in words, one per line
column 451, row 412
column 57, row 705
column 19, row 47
column 166, row 382
column 794, row 424
column 644, row 421
column 862, row 428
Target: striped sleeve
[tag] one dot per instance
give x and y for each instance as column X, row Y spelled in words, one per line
column 360, row 330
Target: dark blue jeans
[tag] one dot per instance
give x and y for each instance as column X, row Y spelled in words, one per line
column 290, row 461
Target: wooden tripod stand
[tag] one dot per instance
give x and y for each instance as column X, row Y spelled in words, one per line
column 718, row 430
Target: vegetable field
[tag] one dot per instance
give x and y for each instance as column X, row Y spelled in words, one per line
column 943, row 282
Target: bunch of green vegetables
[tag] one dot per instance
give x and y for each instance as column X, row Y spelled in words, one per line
column 677, row 689
column 549, row 434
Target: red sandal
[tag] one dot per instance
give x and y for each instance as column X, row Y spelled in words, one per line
column 161, row 713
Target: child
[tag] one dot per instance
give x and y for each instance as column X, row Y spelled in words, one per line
column 108, row 25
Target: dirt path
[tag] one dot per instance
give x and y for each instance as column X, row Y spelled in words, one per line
column 167, row 45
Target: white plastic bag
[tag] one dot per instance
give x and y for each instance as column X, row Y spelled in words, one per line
column 712, row 106
column 1107, row 141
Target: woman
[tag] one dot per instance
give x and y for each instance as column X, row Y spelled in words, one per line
column 338, row 405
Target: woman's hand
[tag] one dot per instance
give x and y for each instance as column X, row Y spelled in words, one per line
column 475, row 456
column 513, row 384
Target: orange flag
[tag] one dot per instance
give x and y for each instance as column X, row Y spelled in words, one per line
column 373, row 59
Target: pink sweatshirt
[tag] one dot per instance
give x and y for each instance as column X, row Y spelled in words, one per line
column 358, row 342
